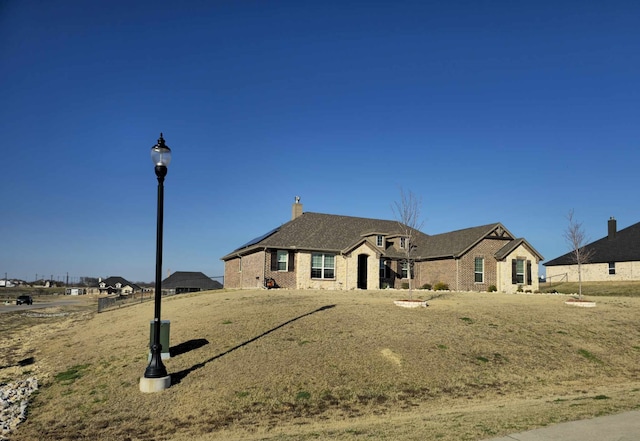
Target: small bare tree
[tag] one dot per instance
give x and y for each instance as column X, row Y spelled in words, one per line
column 407, row 214
column 576, row 238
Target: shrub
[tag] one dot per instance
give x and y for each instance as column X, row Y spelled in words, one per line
column 426, row 286
column 441, row 286
column 405, row 285
column 492, row 288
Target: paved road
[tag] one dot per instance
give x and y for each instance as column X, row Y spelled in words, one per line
column 621, row 427
column 43, row 302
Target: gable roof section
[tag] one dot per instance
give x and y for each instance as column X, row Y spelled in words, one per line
column 190, row 279
column 623, row 247
column 503, row 252
column 362, row 241
column 456, row 243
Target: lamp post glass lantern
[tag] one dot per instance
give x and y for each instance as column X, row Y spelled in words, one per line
column 161, row 156
column 161, row 153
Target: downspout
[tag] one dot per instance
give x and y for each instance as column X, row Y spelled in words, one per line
column 241, row 280
column 457, row 274
column 264, row 267
column 346, row 272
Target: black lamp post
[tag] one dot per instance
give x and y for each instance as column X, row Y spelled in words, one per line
column 161, row 156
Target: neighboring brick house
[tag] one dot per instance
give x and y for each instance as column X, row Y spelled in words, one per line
column 117, row 285
column 615, row 257
column 325, row 251
column 189, row 281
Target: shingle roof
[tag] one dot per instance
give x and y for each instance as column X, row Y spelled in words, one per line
column 455, row 243
column 512, row 245
column 328, row 232
column 190, row 279
column 335, row 233
column 113, row 280
column 623, row 247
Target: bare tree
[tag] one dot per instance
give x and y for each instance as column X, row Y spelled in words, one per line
column 576, row 238
column 407, row 214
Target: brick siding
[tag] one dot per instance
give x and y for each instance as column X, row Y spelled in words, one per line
column 435, row 271
column 284, row 279
column 487, row 250
column 232, row 273
column 251, row 275
column 457, row 274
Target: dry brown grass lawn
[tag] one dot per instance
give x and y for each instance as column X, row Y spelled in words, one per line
column 301, row 365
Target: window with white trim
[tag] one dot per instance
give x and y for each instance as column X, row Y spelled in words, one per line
column 283, row 260
column 404, row 269
column 403, row 242
column 479, row 270
column 520, row 268
column 612, row 268
column 323, row 266
column 380, row 240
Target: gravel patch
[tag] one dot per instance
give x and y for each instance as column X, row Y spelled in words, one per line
column 14, row 399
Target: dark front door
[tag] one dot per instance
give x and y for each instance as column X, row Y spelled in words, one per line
column 362, row 271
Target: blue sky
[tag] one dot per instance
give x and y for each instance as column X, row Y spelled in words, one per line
column 512, row 112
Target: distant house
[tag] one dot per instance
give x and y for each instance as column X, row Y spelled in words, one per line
column 74, row 291
column 189, row 281
column 117, row 285
column 325, row 251
column 615, row 257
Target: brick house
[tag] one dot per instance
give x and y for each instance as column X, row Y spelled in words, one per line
column 325, row 251
column 117, row 285
column 615, row 257
column 189, row 281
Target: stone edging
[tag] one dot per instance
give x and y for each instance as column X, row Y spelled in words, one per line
column 410, row 303
column 581, row 303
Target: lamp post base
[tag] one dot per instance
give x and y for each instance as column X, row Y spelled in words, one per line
column 150, row 385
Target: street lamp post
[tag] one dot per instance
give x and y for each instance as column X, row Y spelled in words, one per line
column 155, row 376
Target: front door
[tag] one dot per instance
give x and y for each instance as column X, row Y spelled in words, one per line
column 362, row 271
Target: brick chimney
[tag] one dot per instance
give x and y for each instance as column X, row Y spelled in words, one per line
column 613, row 228
column 296, row 209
